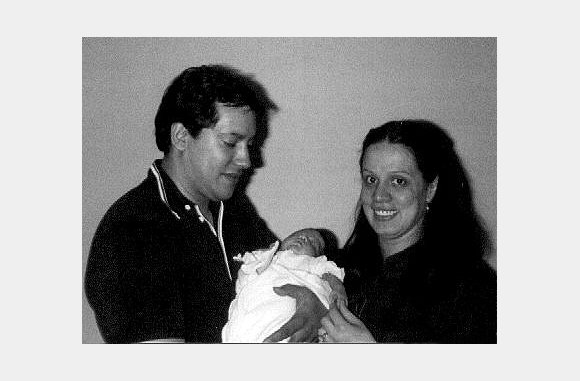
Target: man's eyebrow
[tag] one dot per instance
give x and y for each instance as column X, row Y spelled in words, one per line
column 234, row 134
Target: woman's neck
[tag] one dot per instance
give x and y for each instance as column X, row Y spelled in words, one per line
column 390, row 246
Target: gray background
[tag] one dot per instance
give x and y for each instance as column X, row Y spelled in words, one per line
column 330, row 91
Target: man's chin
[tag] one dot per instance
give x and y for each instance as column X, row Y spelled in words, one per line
column 225, row 194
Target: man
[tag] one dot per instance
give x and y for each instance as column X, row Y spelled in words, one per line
column 160, row 266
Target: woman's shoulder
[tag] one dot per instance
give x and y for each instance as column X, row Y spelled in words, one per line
column 480, row 280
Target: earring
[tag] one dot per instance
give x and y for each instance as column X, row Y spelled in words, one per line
column 427, row 207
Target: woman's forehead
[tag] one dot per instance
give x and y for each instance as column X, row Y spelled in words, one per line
column 386, row 155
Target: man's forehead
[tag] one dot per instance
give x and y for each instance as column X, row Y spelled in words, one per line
column 240, row 121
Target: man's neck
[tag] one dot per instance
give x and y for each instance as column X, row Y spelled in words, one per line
column 171, row 167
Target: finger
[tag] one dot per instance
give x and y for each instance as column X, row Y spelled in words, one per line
column 325, row 323
column 335, row 315
column 331, row 278
column 303, row 336
column 348, row 316
column 287, row 290
column 328, row 326
column 287, row 330
column 334, row 282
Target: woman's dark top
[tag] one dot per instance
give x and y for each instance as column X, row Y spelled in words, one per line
column 412, row 299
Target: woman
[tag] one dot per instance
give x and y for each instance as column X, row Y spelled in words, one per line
column 414, row 263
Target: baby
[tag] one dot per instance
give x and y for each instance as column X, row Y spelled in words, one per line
column 257, row 311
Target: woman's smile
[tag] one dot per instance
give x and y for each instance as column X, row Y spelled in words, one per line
column 384, row 213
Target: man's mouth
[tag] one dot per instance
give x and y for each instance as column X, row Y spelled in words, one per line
column 232, row 176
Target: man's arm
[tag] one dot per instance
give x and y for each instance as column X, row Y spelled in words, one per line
column 304, row 324
column 131, row 294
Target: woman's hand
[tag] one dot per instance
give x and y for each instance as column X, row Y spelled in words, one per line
column 341, row 326
column 304, row 324
column 338, row 291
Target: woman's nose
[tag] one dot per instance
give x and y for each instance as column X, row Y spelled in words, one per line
column 382, row 193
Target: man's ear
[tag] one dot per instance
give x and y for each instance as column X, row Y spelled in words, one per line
column 179, row 136
column 432, row 189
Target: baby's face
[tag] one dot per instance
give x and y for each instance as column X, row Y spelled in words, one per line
column 304, row 242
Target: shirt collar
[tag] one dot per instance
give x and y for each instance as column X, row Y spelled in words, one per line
column 178, row 204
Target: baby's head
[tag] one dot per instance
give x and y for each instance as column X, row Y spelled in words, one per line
column 304, row 242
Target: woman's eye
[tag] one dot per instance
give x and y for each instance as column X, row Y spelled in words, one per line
column 229, row 144
column 399, row 182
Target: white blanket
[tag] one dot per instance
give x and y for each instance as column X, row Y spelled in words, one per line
column 257, row 311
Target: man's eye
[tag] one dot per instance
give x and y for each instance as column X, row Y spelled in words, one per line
column 370, row 180
column 399, row 182
column 229, row 144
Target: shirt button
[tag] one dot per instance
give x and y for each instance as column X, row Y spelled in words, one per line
column 187, row 207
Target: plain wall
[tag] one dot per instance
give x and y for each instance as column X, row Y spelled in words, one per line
column 330, row 92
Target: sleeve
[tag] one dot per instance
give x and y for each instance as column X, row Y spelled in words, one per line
column 131, row 285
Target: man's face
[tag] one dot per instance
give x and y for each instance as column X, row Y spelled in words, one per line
column 216, row 158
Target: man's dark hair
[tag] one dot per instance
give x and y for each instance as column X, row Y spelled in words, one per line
column 192, row 96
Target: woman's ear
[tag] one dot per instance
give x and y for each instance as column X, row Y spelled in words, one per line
column 179, row 136
column 432, row 189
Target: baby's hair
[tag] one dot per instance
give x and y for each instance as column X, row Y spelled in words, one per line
column 330, row 243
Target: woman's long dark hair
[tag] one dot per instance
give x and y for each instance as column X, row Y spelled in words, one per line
column 453, row 231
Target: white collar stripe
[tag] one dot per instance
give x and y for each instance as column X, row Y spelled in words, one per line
column 218, row 234
column 221, row 237
column 161, row 189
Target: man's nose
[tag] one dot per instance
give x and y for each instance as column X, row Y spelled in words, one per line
column 243, row 157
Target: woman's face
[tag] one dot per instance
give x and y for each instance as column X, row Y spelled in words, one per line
column 393, row 193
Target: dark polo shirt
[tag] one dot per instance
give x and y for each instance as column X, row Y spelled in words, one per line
column 157, row 269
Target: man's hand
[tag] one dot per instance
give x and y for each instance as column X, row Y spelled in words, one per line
column 303, row 326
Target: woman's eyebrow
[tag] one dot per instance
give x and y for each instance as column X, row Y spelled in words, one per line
column 401, row 173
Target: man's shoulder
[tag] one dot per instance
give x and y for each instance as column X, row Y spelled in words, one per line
column 140, row 204
column 134, row 222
